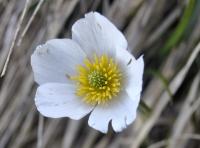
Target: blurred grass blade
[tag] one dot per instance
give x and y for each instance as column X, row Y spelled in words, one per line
column 176, row 36
column 144, row 109
column 163, row 80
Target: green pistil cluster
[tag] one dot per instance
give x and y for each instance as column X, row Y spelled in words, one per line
column 97, row 79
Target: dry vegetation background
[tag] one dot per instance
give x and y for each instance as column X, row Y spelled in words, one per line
column 167, row 32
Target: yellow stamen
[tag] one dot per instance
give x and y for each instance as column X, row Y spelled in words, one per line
column 99, row 80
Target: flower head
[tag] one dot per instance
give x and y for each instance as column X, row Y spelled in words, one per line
column 91, row 73
column 98, row 80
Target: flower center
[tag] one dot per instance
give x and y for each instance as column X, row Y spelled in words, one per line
column 99, row 80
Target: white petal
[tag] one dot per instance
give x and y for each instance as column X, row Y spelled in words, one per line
column 124, row 57
column 57, row 100
column 97, row 35
column 122, row 112
column 54, row 60
column 135, row 77
column 133, row 72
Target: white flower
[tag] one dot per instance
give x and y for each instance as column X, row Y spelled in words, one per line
column 91, row 73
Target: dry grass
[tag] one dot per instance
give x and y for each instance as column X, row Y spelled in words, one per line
column 165, row 31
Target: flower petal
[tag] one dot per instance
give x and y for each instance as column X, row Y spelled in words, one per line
column 122, row 112
column 97, row 35
column 135, row 77
column 57, row 100
column 124, row 57
column 132, row 71
column 54, row 60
